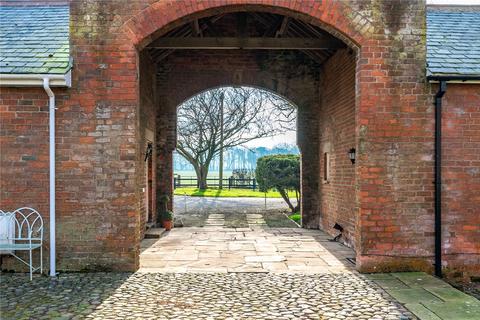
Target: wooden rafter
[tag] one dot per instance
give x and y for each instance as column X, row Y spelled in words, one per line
column 283, row 27
column 245, row 43
column 184, row 31
column 279, row 32
column 197, row 31
column 270, row 32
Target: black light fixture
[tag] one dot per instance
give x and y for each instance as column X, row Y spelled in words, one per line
column 148, row 152
column 338, row 227
column 351, row 155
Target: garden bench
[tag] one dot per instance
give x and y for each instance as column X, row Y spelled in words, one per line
column 22, row 230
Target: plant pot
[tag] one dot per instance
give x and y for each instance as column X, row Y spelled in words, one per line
column 168, row 225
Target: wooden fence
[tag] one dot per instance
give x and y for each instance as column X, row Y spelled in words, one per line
column 230, row 183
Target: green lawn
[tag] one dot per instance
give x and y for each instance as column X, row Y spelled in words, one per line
column 232, row 193
column 296, row 217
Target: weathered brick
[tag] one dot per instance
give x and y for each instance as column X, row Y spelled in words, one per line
column 374, row 98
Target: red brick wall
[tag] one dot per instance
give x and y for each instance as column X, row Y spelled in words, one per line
column 24, row 148
column 461, row 179
column 99, row 146
column 337, row 136
column 146, row 121
column 394, row 143
column 24, row 160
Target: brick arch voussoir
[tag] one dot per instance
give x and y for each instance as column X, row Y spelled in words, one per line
column 333, row 16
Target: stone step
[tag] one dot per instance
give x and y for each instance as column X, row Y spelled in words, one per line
column 154, row 233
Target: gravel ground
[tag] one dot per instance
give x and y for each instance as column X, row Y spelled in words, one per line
column 235, row 211
column 196, row 296
column 472, row 288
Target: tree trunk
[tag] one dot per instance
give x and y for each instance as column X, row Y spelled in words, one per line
column 299, row 199
column 202, row 177
column 285, row 197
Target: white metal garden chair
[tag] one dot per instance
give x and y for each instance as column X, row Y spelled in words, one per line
column 22, row 230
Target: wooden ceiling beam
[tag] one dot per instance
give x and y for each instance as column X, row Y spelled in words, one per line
column 260, row 19
column 270, row 32
column 245, row 43
column 283, row 27
column 197, row 31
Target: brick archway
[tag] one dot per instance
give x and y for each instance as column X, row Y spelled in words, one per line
column 338, row 19
column 176, row 87
column 99, row 160
column 335, row 17
column 100, row 164
column 371, row 74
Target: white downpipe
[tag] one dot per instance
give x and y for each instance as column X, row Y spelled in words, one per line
column 51, row 109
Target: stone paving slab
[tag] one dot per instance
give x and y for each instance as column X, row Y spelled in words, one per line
column 428, row 297
column 205, row 249
column 196, row 296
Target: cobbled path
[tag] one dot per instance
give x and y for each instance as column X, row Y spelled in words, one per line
column 196, row 296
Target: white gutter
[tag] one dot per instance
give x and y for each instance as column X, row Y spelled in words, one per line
column 51, row 157
column 47, row 81
column 35, row 80
column 458, row 81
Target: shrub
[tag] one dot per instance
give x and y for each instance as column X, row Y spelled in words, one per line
column 167, row 216
column 281, row 172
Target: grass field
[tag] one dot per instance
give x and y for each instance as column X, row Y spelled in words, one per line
column 233, row 193
column 211, row 174
column 297, row 217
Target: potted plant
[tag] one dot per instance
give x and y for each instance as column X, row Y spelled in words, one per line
column 167, row 220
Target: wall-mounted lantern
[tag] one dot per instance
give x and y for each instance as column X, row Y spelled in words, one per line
column 351, row 155
column 148, row 152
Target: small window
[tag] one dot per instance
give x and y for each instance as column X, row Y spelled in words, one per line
column 326, row 167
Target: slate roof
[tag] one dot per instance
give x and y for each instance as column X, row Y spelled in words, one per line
column 453, row 42
column 34, row 39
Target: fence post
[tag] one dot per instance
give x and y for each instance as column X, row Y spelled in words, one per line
column 254, row 184
column 174, row 183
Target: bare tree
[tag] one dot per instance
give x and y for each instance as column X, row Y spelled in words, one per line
column 248, row 114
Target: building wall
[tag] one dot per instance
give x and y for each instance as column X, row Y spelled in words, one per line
column 461, row 180
column 146, row 131
column 100, row 145
column 337, row 136
column 24, row 160
column 394, row 143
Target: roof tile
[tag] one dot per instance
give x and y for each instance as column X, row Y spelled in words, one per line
column 453, row 42
column 30, row 35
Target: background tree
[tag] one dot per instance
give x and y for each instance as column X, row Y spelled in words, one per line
column 248, row 114
column 281, row 172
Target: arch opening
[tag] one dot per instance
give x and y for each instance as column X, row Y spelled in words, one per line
column 282, row 54
column 222, row 132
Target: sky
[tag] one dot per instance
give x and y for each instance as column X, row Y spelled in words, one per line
column 289, row 137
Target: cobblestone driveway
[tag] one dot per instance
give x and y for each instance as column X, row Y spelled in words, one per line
column 213, row 273
column 196, row 296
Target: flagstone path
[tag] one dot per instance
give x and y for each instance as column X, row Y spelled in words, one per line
column 256, row 248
